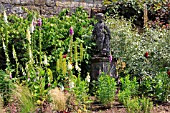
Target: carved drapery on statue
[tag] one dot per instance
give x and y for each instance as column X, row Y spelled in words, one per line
column 101, row 62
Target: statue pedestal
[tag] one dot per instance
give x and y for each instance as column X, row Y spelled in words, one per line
column 102, row 64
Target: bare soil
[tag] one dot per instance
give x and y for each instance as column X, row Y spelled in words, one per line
column 118, row 108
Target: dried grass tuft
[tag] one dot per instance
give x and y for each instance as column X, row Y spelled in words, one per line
column 58, row 99
column 1, row 105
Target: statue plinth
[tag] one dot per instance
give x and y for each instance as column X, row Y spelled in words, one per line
column 101, row 64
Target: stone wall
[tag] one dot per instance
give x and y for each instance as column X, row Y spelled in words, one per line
column 47, row 7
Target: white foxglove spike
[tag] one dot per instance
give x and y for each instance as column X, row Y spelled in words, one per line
column 69, row 66
column 45, row 60
column 5, row 17
column 77, row 67
column 88, row 77
column 71, row 84
column 32, row 27
column 28, row 35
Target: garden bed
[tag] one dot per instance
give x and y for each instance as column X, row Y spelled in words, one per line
column 119, row 108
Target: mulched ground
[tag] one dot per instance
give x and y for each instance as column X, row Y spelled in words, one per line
column 118, row 108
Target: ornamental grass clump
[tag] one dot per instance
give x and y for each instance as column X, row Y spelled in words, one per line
column 1, row 105
column 24, row 97
column 58, row 99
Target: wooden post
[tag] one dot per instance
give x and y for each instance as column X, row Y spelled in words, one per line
column 145, row 15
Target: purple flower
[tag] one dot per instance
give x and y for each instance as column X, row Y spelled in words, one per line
column 71, row 31
column 39, row 22
column 49, row 84
column 34, row 23
column 10, row 76
column 110, row 58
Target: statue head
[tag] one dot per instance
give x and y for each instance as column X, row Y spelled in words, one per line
column 100, row 17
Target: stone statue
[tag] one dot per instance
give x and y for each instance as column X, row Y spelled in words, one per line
column 101, row 35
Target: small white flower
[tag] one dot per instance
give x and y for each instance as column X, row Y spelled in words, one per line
column 71, row 84
column 77, row 67
column 5, row 17
column 88, row 77
column 168, row 98
column 62, row 88
column 69, row 66
column 4, row 46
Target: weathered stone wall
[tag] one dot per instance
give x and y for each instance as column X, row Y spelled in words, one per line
column 47, row 7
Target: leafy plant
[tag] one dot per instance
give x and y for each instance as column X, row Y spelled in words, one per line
column 80, row 89
column 157, row 11
column 156, row 87
column 129, row 88
column 131, row 46
column 146, row 104
column 106, row 89
column 133, row 105
column 6, row 86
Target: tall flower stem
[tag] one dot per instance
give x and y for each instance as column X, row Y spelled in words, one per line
column 40, row 47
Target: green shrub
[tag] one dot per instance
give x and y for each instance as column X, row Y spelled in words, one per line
column 146, row 105
column 138, row 105
column 157, row 87
column 6, row 86
column 132, row 105
column 129, row 88
column 106, row 89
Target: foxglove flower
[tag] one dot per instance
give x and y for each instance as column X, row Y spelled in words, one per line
column 71, row 31
column 10, row 76
column 64, row 56
column 77, row 67
column 5, row 17
column 71, row 84
column 69, row 66
column 49, row 84
column 32, row 27
column 30, row 53
column 62, row 88
column 28, row 79
column 39, row 22
column 45, row 60
column 110, row 58
column 28, row 35
column 88, row 78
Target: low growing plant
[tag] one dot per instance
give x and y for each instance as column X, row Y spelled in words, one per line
column 138, row 105
column 25, row 99
column 79, row 92
column 146, row 105
column 133, row 105
column 5, row 86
